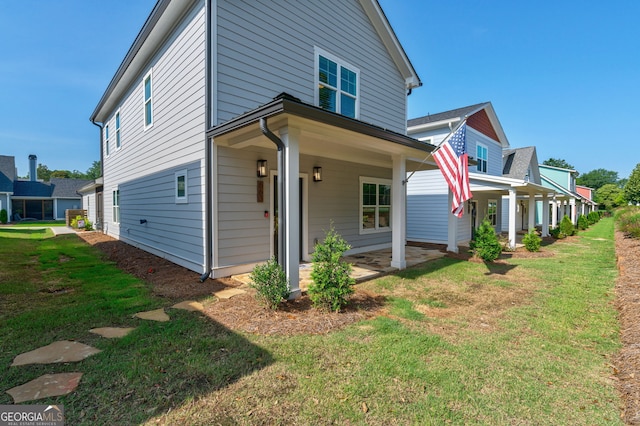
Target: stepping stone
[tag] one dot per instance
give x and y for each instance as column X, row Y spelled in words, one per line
column 189, row 305
column 111, row 332
column 61, row 351
column 44, row 386
column 156, row 315
column 228, row 293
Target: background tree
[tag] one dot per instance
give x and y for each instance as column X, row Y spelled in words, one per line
column 43, row 173
column 597, row 178
column 610, row 196
column 557, row 162
column 95, row 171
column 632, row 188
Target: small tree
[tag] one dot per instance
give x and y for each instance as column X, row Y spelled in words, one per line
column 271, row 283
column 3, row 216
column 593, row 217
column 632, row 188
column 332, row 283
column 532, row 241
column 583, row 223
column 566, row 227
column 485, row 243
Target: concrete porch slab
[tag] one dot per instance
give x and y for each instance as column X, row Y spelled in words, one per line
column 61, row 351
column 45, row 386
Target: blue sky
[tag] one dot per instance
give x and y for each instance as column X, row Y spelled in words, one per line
column 562, row 76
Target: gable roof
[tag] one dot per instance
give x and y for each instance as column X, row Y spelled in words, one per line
column 518, row 162
column 57, row 188
column 67, row 188
column 166, row 14
column 7, row 173
column 481, row 117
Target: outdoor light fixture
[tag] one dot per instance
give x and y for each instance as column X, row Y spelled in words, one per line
column 317, row 174
column 262, row 168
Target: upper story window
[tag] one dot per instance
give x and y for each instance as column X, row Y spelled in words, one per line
column 482, row 155
column 148, row 100
column 118, row 143
column 337, row 85
column 106, row 140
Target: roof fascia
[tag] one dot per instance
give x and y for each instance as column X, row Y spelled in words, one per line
column 390, row 40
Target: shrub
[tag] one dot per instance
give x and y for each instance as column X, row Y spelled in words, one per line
column 566, row 227
column 532, row 241
column 555, row 232
column 4, row 218
column 593, row 217
column 583, row 223
column 485, row 243
column 88, row 226
column 332, row 284
column 628, row 220
column 271, row 283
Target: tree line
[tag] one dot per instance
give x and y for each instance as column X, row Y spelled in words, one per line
column 608, row 189
column 43, row 173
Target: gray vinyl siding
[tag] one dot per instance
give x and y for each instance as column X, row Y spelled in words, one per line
column 244, row 233
column 63, row 204
column 266, row 47
column 143, row 168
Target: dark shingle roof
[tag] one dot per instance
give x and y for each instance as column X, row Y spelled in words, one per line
column 446, row 115
column 67, row 188
column 7, row 173
column 517, row 161
column 57, row 188
column 27, row 188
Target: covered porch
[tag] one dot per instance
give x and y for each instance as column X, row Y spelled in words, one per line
column 316, row 170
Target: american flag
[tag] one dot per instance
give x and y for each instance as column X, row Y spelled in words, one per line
column 453, row 161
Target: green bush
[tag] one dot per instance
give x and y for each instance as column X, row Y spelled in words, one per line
column 583, row 223
column 566, row 227
column 593, row 217
column 628, row 220
column 3, row 216
column 555, row 232
column 332, row 283
column 88, row 226
column 532, row 241
column 270, row 282
column 485, row 243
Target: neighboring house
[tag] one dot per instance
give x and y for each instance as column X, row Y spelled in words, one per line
column 92, row 201
column 588, row 205
column 237, row 131
column 34, row 199
column 569, row 202
column 428, row 197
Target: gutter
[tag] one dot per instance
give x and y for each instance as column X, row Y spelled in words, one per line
column 282, row 216
column 208, row 166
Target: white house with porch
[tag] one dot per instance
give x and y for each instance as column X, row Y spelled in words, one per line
column 429, row 198
column 237, row 131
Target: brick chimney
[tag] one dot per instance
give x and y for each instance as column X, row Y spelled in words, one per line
column 33, row 168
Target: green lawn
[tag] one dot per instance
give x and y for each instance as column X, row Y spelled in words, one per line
column 37, row 223
column 526, row 342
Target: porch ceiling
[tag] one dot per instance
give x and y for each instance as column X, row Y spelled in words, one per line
column 324, row 134
column 501, row 185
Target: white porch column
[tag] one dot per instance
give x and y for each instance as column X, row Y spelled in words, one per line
column 512, row 218
column 572, row 211
column 398, row 212
column 452, row 227
column 554, row 213
column 290, row 138
column 532, row 213
column 545, row 216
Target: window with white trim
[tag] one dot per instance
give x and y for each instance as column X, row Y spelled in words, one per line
column 181, row 187
column 482, row 156
column 337, row 85
column 106, row 140
column 375, row 205
column 492, row 212
column 118, row 143
column 147, row 88
column 116, row 206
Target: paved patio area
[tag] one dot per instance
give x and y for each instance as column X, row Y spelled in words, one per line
column 366, row 266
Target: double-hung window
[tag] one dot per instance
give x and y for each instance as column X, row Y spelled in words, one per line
column 106, row 140
column 148, row 100
column 375, row 204
column 337, row 85
column 118, row 143
column 492, row 212
column 181, row 187
column 482, row 154
column 116, row 206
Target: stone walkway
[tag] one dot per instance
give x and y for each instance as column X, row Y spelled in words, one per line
column 66, row 351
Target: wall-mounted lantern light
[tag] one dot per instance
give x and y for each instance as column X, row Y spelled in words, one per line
column 317, row 174
column 262, row 168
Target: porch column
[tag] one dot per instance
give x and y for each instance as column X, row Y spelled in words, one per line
column 398, row 212
column 55, row 209
column 532, row 213
column 572, row 211
column 290, row 138
column 452, row 227
column 545, row 216
column 512, row 218
column 554, row 213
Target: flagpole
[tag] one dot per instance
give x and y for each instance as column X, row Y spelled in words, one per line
column 464, row 120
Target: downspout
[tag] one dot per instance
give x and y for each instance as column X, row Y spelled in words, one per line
column 282, row 217
column 208, row 209
column 100, row 126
